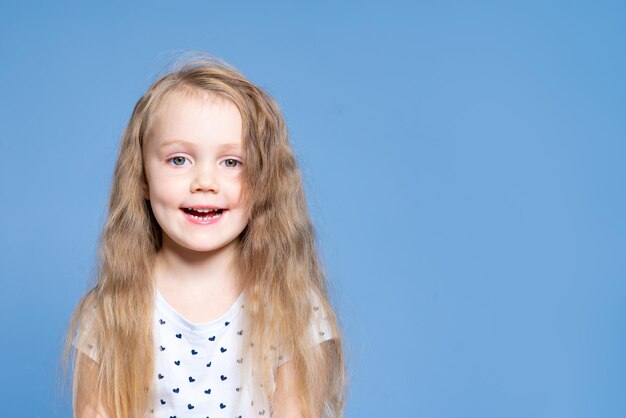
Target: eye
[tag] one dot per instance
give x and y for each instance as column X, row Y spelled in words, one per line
column 178, row 160
column 231, row 162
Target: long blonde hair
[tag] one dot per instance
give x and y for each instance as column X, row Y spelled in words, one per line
column 276, row 256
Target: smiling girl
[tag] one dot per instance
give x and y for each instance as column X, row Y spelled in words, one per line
column 210, row 300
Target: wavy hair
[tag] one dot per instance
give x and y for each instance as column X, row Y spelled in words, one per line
column 276, row 256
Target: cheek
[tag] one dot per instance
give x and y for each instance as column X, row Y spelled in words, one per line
column 235, row 195
column 161, row 187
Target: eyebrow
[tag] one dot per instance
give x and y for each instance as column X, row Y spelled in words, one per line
column 227, row 146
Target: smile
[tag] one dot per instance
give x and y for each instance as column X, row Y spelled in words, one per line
column 203, row 216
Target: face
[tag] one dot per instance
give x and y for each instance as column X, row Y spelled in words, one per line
column 193, row 162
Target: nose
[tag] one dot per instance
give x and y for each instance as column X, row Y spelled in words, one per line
column 205, row 180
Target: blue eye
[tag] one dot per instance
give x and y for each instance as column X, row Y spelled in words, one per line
column 231, row 162
column 178, row 160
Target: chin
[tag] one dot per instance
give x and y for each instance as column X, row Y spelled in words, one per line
column 207, row 248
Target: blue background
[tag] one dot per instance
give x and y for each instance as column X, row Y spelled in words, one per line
column 464, row 164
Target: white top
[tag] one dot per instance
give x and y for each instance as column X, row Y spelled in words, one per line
column 197, row 365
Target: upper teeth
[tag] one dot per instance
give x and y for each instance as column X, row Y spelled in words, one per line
column 204, row 210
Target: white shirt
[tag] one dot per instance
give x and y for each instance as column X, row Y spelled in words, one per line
column 197, row 365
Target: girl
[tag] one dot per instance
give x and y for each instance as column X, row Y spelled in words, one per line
column 210, row 300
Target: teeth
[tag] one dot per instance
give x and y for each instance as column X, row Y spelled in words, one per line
column 204, row 218
column 204, row 210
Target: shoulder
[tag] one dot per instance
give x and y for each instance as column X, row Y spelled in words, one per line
column 321, row 320
column 84, row 339
column 320, row 326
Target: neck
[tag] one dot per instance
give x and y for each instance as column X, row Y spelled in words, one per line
column 181, row 270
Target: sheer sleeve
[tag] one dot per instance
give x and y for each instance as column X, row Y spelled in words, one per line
column 84, row 340
column 319, row 328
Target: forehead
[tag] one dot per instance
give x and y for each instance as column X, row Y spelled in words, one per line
column 193, row 115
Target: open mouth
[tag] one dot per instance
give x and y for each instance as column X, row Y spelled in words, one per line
column 203, row 214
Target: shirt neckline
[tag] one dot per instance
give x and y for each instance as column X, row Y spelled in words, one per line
column 182, row 323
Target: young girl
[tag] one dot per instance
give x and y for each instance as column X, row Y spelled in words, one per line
column 210, row 300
